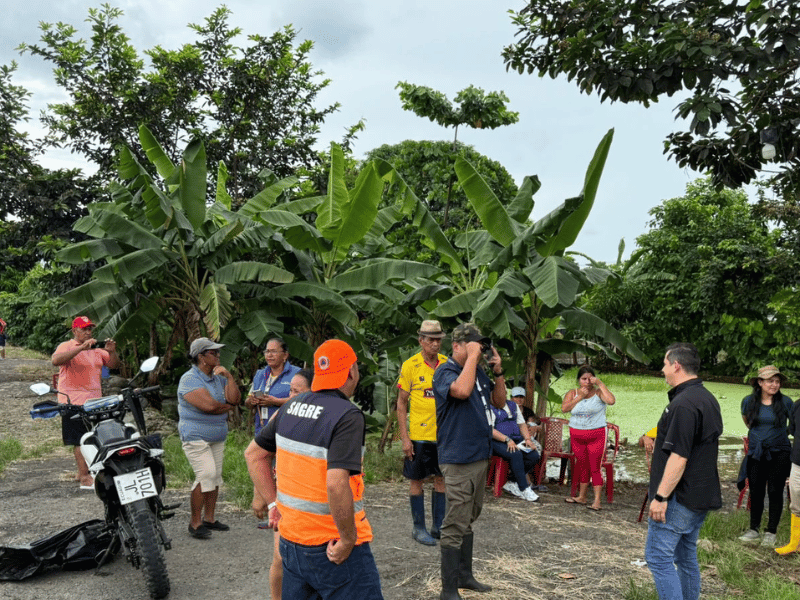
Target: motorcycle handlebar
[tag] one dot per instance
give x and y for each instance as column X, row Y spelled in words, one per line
column 147, row 390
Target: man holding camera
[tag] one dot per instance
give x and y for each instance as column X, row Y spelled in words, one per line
column 80, row 362
column 464, row 396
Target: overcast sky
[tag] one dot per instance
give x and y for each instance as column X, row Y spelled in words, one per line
column 366, row 47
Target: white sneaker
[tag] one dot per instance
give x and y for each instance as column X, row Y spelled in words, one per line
column 768, row 540
column 751, row 535
column 512, row 488
column 529, row 495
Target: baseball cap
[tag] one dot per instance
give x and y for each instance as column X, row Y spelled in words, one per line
column 332, row 362
column 517, row 391
column 202, row 344
column 468, row 332
column 82, row 323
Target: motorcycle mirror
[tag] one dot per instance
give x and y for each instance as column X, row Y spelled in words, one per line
column 40, row 389
column 149, row 364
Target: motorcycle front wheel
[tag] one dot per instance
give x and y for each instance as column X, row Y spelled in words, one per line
column 148, row 548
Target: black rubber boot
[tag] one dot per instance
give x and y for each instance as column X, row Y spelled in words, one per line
column 438, row 505
column 418, row 515
column 465, row 579
column 450, row 560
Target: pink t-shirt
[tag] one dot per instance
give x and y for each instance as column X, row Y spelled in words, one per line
column 79, row 378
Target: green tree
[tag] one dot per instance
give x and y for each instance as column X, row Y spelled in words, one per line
column 428, row 168
column 251, row 106
column 517, row 283
column 717, row 267
column 166, row 257
column 177, row 265
column 16, row 150
column 472, row 107
column 733, row 64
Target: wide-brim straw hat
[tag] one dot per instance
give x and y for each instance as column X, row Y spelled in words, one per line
column 432, row 329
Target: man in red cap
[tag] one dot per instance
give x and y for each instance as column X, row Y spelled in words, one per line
column 317, row 438
column 80, row 365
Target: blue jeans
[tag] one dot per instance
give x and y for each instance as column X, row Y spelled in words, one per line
column 671, row 552
column 308, row 574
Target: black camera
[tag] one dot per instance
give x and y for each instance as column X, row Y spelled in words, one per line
column 486, row 349
column 99, row 345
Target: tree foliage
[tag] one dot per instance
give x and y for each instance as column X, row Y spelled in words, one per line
column 733, row 64
column 518, row 284
column 251, row 105
column 17, row 152
column 428, row 167
column 706, row 273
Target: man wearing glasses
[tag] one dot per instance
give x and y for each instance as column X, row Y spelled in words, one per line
column 270, row 389
column 80, row 363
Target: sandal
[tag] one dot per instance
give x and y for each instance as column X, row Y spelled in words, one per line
column 572, row 500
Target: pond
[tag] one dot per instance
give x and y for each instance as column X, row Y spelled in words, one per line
column 640, row 400
column 631, row 464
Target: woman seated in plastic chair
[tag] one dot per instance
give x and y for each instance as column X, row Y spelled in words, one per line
column 511, row 440
column 587, row 433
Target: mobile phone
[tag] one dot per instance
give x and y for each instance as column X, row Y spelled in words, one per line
column 99, row 345
column 258, row 393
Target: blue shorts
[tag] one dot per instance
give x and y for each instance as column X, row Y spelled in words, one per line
column 424, row 463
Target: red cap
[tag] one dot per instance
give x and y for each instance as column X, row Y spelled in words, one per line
column 82, row 322
column 332, row 362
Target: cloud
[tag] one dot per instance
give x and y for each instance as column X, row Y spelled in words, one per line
column 337, row 28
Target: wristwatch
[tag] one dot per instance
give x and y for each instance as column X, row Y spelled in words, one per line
column 659, row 498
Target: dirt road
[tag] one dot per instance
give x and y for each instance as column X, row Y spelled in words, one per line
column 546, row 550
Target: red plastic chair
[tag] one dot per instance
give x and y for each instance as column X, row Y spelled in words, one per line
column 552, row 447
column 497, row 475
column 746, row 482
column 648, row 457
column 608, row 460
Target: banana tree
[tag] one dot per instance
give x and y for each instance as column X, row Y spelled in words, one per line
column 170, row 257
column 346, row 280
column 529, row 289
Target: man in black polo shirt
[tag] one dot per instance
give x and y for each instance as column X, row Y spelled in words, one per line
column 464, row 394
column 684, row 481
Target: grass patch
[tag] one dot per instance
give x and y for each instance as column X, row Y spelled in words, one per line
column 43, row 449
column 239, row 487
column 382, row 467
column 25, row 353
column 10, row 450
column 747, row 570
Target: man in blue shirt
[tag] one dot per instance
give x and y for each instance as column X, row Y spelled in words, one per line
column 464, row 394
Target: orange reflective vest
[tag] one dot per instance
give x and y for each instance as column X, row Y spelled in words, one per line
column 304, row 433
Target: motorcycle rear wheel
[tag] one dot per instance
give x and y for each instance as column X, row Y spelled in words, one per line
column 149, row 548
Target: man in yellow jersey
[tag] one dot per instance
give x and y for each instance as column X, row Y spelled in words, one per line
column 419, row 439
column 317, row 438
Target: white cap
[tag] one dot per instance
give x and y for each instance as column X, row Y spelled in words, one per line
column 517, row 391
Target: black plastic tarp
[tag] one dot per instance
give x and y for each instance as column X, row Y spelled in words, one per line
column 76, row 548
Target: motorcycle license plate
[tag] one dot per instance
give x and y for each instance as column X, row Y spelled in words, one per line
column 135, row 486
